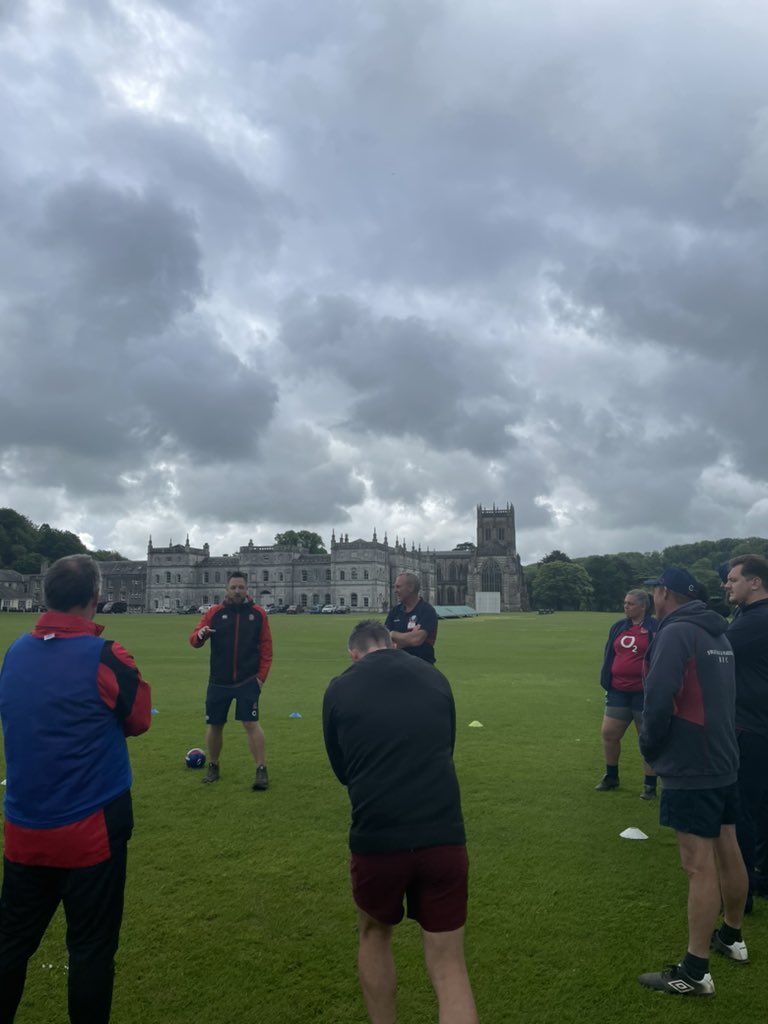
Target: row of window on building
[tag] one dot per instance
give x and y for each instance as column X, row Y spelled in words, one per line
column 265, row 578
column 354, row 601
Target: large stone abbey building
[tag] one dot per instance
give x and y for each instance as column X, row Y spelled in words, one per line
column 358, row 574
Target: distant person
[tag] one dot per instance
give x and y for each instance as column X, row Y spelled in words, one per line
column 622, row 679
column 747, row 590
column 68, row 699
column 688, row 734
column 412, row 623
column 390, row 725
column 241, row 656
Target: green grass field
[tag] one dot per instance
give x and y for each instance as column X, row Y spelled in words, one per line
column 238, row 907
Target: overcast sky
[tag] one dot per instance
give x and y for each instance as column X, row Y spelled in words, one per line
column 273, row 264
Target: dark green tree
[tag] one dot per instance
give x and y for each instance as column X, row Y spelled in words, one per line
column 555, row 556
column 562, row 585
column 54, row 544
column 313, row 542
column 611, row 578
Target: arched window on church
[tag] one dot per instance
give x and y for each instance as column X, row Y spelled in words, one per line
column 491, row 578
column 450, row 594
column 452, row 572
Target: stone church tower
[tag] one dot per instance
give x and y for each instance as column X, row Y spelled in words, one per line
column 496, row 566
column 491, row 565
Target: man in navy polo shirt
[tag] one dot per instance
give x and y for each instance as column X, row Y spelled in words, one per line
column 412, row 623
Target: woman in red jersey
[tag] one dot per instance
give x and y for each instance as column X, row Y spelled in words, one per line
column 622, row 679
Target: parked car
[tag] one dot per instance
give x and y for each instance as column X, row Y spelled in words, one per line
column 327, row 609
column 342, row 609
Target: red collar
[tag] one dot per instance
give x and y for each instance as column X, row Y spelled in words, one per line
column 64, row 624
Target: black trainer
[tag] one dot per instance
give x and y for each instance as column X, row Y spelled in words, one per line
column 212, row 775
column 261, row 781
column 607, row 782
column 649, row 793
column 676, row 982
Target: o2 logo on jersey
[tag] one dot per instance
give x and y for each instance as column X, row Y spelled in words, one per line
column 628, row 643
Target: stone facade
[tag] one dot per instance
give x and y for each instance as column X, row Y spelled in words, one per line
column 18, row 592
column 357, row 574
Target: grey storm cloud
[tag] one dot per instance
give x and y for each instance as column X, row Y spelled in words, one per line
column 300, row 484
column 107, row 337
column 406, row 377
column 127, row 263
column 234, row 209
column 377, row 260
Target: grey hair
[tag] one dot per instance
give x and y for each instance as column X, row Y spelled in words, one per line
column 413, row 580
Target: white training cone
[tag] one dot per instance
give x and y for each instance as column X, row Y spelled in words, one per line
column 475, row 725
column 633, row 833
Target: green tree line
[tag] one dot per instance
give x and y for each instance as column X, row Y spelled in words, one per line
column 24, row 546
column 599, row 582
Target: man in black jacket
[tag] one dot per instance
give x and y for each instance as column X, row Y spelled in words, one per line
column 746, row 587
column 241, row 656
column 688, row 735
column 389, row 724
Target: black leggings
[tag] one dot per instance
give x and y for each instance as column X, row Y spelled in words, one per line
column 93, row 905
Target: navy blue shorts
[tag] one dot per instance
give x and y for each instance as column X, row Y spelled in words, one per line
column 218, row 699
column 624, row 704
column 700, row 812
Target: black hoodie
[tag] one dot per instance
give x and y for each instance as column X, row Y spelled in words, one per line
column 688, row 733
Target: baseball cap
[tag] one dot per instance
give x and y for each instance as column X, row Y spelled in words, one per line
column 722, row 571
column 679, row 580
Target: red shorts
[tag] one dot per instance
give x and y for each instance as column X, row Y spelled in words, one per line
column 433, row 879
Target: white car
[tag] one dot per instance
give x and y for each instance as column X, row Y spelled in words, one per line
column 327, row 609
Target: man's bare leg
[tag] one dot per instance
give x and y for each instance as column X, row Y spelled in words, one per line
column 734, row 882
column 256, row 741
column 376, row 969
column 697, row 855
column 444, row 956
column 214, row 741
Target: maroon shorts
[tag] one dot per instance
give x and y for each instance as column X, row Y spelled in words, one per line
column 433, row 879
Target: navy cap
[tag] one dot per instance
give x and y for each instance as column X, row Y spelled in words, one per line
column 722, row 571
column 679, row 580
